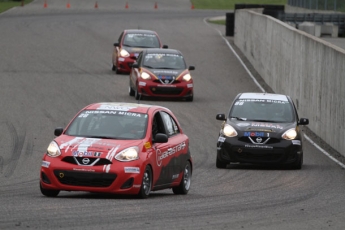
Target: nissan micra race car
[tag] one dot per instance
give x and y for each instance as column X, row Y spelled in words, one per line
column 261, row 128
column 119, row 148
column 161, row 73
column 130, row 44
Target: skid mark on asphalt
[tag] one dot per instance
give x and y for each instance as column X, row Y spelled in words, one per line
column 17, row 145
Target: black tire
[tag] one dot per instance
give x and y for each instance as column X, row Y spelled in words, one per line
column 136, row 94
column 298, row 164
column 146, row 183
column 190, row 98
column 131, row 91
column 220, row 164
column 113, row 68
column 49, row 192
column 184, row 186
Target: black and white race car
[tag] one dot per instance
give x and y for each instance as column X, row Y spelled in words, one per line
column 261, row 128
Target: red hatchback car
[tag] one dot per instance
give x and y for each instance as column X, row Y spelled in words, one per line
column 129, row 44
column 161, row 73
column 120, row 148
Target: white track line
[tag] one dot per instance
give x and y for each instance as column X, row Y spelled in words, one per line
column 262, row 89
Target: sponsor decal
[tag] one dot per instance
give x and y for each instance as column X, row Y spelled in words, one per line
column 171, row 151
column 132, row 169
column 175, row 176
column 83, row 115
column 147, row 145
column 189, row 85
column 141, row 83
column 296, row 142
column 172, row 86
column 140, row 35
column 45, row 164
column 239, row 103
column 114, row 112
column 121, row 59
column 259, row 146
column 243, row 124
column 171, row 72
column 136, row 185
column 221, row 139
column 77, row 153
column 112, row 107
column 267, row 125
column 85, row 170
column 254, row 134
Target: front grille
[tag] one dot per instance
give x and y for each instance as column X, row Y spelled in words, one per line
column 92, row 161
column 166, row 90
column 88, row 179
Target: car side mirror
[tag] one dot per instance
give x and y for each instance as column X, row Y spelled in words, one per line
column 161, row 138
column 116, row 44
column 165, row 47
column 303, row 121
column 135, row 65
column 58, row 131
column 221, row 117
column 191, row 68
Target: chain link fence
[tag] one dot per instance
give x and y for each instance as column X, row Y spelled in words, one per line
column 329, row 5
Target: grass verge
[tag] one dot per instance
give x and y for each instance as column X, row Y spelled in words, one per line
column 8, row 4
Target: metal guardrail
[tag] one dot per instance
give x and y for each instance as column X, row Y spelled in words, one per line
column 328, row 5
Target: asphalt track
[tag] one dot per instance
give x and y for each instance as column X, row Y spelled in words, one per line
column 56, row 60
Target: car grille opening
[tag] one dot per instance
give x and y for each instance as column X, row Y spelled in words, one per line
column 45, row 178
column 87, row 179
column 128, row 183
column 166, row 90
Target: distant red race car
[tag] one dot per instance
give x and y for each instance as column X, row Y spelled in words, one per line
column 121, row 148
column 128, row 46
column 161, row 73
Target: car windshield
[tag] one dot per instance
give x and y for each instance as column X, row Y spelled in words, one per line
column 262, row 110
column 141, row 40
column 164, row 61
column 109, row 124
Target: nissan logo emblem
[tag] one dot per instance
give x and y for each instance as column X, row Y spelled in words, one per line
column 258, row 139
column 86, row 161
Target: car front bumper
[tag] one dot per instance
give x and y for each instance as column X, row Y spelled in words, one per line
column 234, row 150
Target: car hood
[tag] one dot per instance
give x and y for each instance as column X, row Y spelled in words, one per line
column 93, row 147
column 257, row 126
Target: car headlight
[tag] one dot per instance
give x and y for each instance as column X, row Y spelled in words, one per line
column 187, row 77
column 145, row 76
column 229, row 131
column 290, row 134
column 124, row 53
column 53, row 149
column 129, row 154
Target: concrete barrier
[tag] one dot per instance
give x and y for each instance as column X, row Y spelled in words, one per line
column 310, row 70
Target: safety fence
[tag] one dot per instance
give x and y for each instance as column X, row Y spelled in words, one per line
column 328, row 5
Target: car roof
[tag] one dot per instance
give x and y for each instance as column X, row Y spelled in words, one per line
column 269, row 96
column 163, row 51
column 123, row 106
column 132, row 31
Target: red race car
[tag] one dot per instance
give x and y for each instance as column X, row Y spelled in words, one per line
column 161, row 73
column 120, row 148
column 129, row 44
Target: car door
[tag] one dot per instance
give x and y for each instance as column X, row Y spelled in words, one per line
column 177, row 146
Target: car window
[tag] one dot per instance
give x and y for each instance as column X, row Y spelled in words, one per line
column 170, row 124
column 164, row 61
column 263, row 109
column 141, row 40
column 109, row 124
